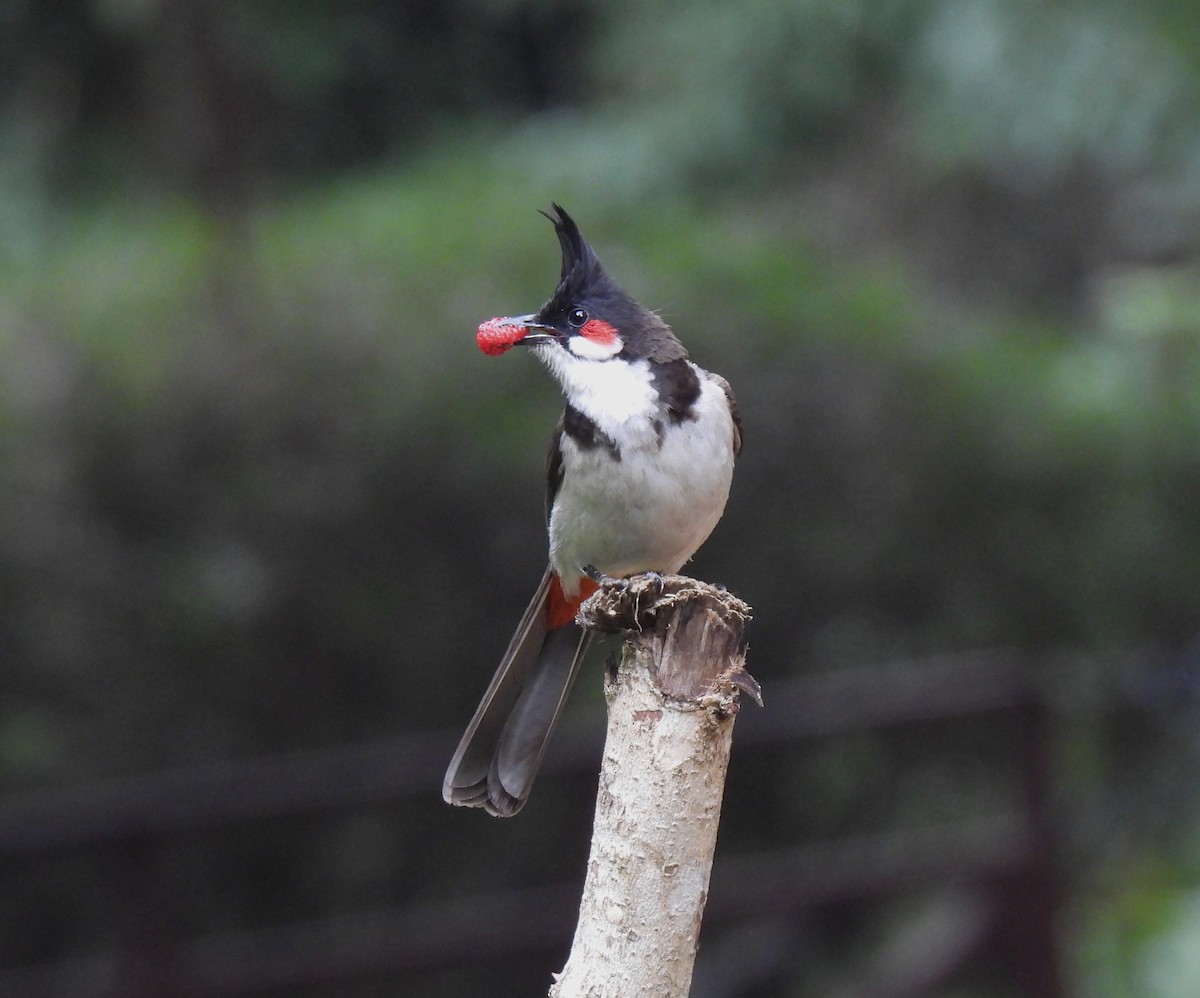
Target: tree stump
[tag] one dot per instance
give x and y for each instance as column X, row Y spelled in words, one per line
column 672, row 701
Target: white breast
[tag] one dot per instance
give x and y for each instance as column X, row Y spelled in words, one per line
column 652, row 509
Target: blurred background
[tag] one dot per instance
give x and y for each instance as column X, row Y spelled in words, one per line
column 268, row 517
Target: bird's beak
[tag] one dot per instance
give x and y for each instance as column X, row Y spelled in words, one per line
column 535, row 332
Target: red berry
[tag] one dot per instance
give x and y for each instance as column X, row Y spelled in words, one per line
column 497, row 335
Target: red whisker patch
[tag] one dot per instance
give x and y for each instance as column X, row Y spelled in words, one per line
column 497, row 335
column 599, row 331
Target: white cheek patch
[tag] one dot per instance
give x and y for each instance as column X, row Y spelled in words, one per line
column 594, row 348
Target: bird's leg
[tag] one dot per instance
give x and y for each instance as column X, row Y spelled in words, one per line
column 603, row 580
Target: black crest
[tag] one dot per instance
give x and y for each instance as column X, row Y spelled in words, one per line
column 582, row 275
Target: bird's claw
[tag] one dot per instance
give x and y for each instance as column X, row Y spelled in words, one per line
column 657, row 582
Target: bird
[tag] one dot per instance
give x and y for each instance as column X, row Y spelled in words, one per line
column 638, row 474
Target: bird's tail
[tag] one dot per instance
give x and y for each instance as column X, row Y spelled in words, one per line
column 502, row 748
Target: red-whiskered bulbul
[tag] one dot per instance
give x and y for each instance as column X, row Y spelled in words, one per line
column 637, row 477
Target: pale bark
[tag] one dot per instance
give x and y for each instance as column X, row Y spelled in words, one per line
column 671, row 706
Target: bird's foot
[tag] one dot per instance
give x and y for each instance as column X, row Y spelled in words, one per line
column 651, row 581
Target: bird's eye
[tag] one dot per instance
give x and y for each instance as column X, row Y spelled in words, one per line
column 577, row 317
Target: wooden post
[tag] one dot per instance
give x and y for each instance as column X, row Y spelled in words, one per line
column 671, row 706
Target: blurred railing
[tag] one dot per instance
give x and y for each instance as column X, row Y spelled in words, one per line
column 1006, row 860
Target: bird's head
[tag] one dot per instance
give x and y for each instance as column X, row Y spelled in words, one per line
column 588, row 316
